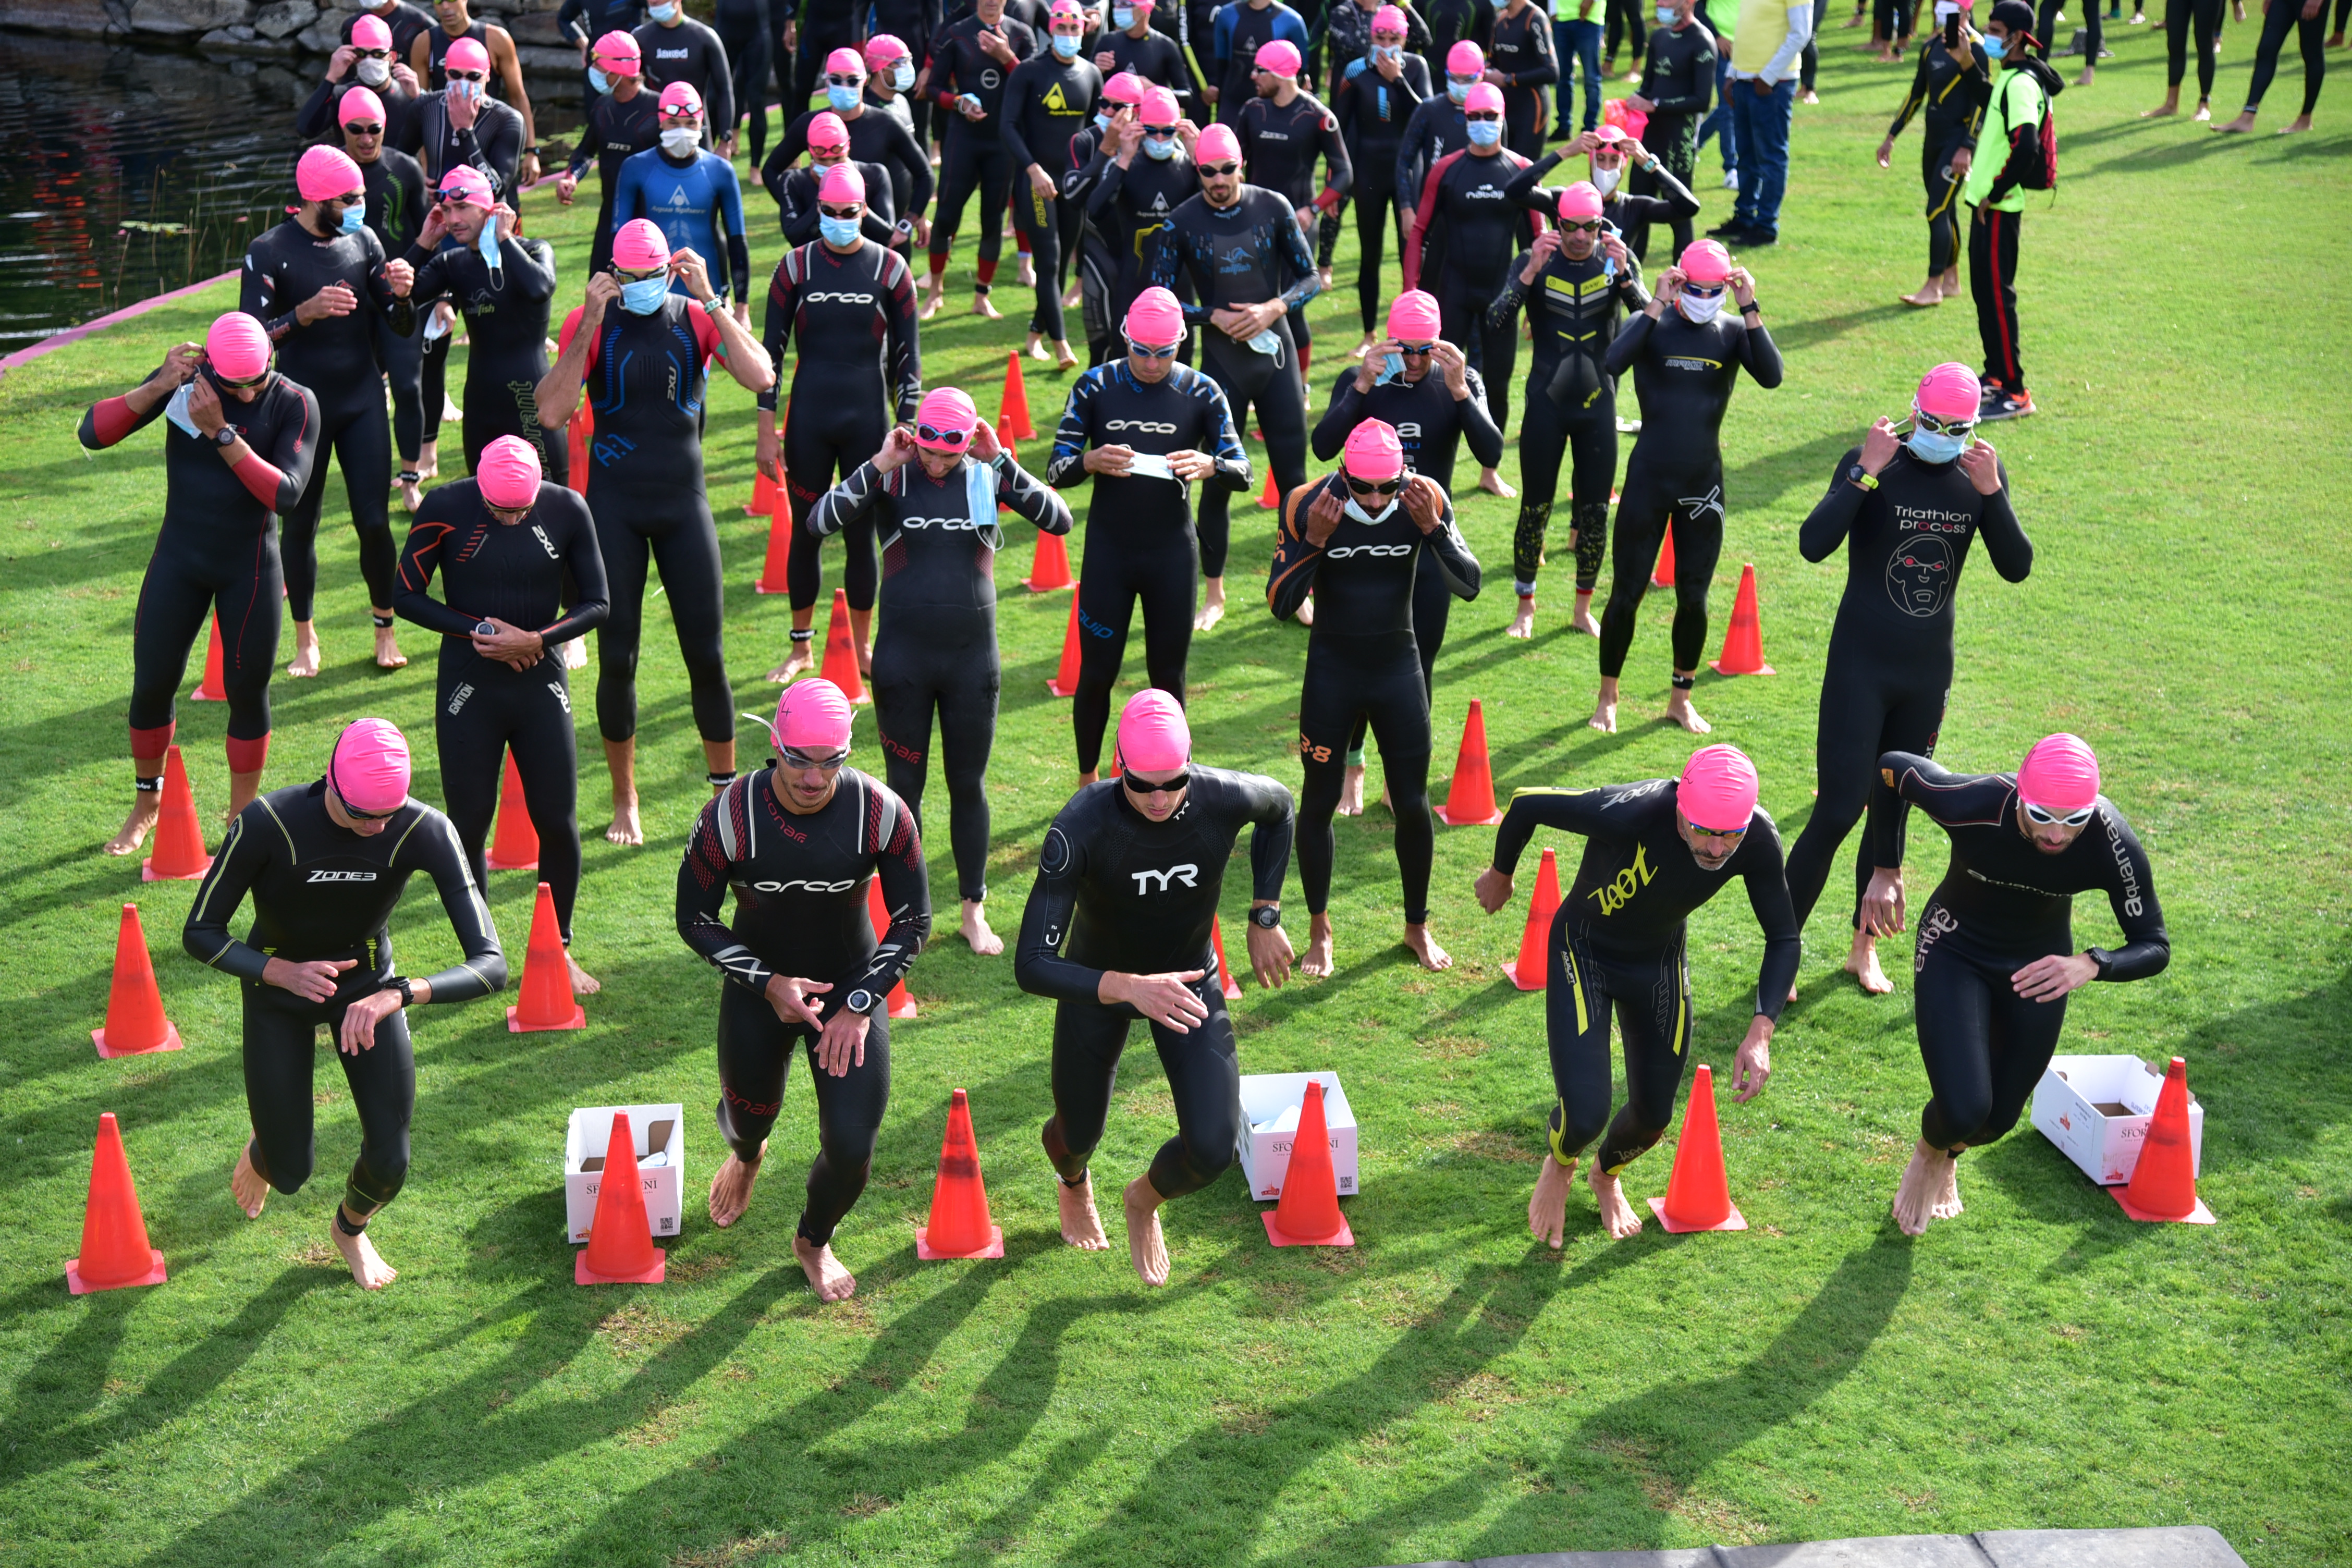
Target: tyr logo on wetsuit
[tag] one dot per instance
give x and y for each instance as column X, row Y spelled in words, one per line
column 1146, row 881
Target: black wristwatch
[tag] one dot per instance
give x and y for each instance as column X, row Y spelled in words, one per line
column 1266, row 917
column 407, row 992
column 861, row 1001
column 1858, row 475
column 226, row 435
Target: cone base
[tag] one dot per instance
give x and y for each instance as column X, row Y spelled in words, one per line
column 516, row 1025
column 147, row 872
column 1512, row 969
column 1343, row 1236
column 1717, row 664
column 763, row 587
column 171, row 1042
column 1037, row 587
column 494, row 864
column 201, row 695
column 584, row 1275
column 995, row 1247
column 903, row 1006
column 1491, row 819
column 1056, row 689
column 1233, row 991
column 1735, row 1220
column 77, row 1284
column 2200, row 1214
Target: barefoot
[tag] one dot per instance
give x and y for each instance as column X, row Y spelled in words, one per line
column 412, row 494
column 730, row 1188
column 1145, row 1245
column 1680, row 711
column 1930, row 1189
column 1582, row 623
column 575, row 654
column 387, row 648
column 2237, row 127
column 2204, row 112
column 1604, row 716
column 1351, row 791
column 1074, row 297
column 248, row 1186
column 2084, row 79
column 1862, row 962
column 1523, row 625
column 1491, row 481
column 1081, row 1225
column 1434, row 958
column 1323, row 279
column 145, row 808
column 1212, row 608
column 1306, row 613
column 1025, row 275
column 1065, row 359
column 306, row 650
column 1616, row 1214
column 624, row 827
column 583, row 983
column 372, row 1271
column 933, row 299
column 802, row 659
column 1547, row 1210
column 982, row 305
column 826, row 1277
column 1037, row 347
column 1930, row 294
column 2300, row 123
column 982, row 939
column 1360, row 350
column 1317, row 959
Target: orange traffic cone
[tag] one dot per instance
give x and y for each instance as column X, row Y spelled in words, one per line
column 134, row 1008
column 1226, row 980
column 578, row 433
column 1662, row 574
column 1698, row 1196
column 179, row 854
column 1016, row 405
column 764, row 496
column 1270, row 496
column 213, row 688
column 840, row 653
column 620, row 1249
column 776, row 567
column 898, row 1005
column 114, row 1250
column 960, row 1224
column 1309, row 1214
column 2163, row 1185
column 1049, row 568
column 1470, row 800
column 1743, row 639
column 1529, row 973
column 1066, row 678
column 515, row 848
column 547, row 1001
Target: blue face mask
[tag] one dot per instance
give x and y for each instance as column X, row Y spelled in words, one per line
column 1930, row 447
column 1066, row 48
column 1665, row 15
column 902, row 76
column 1994, row 47
column 1392, row 371
column 488, row 243
column 1485, row 132
column 1102, row 122
column 1153, row 147
column 1456, row 90
column 1387, row 52
column 1122, row 18
column 661, row 13
column 843, row 99
column 355, row 217
column 599, row 81
column 645, row 296
column 838, row 231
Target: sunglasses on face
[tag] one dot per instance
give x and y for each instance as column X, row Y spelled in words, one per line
column 353, row 200
column 1589, row 226
column 802, row 761
column 1169, row 786
column 1717, row 832
column 374, row 54
column 1934, row 426
column 250, row 382
column 1219, row 171
column 1153, row 351
column 363, row 128
column 1367, row 488
column 507, row 513
column 2034, row 813
column 939, row 437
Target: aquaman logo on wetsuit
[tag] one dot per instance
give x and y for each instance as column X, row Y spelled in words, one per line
column 1919, row 575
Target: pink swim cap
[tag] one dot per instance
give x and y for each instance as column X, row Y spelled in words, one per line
column 1153, row 737
column 323, row 173
column 1719, row 789
column 237, row 346
column 1581, row 203
column 1373, row 452
column 359, row 103
column 845, row 61
column 369, row 768
column 1413, row 317
column 1466, row 58
column 1216, row 143
column 1388, row 19
column 1950, row 391
column 1704, row 261
column 370, row 32
column 640, row 247
column 1061, row 8
column 884, row 47
column 2059, row 774
column 617, row 54
column 1126, row 87
column 950, row 411
column 1483, row 96
column 842, row 183
column 464, row 183
column 811, row 716
column 1610, row 135
column 1278, row 56
column 467, row 55
column 828, row 131
column 1160, row 107
column 1155, row 320
column 509, row 472
column 679, row 98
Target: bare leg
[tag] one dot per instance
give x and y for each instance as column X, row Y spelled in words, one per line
column 861, row 638
column 583, row 983
column 983, row 306
column 1547, row 1210
column 358, row 1253
column 1584, row 624
column 1081, row 1225
column 387, row 646
column 935, row 295
column 1523, row 624
column 2300, row 123
column 242, row 788
column 1930, row 1189
column 2171, row 105
column 1931, row 292
column 1316, row 959
column 1491, row 480
column 247, row 1185
column 1950, row 282
column 1066, row 358
column 2240, row 126
column 730, row 1188
column 1092, row 776
column 976, row 933
column 306, row 650
column 1604, row 707
column 1616, row 1214
column 1433, row 957
column 1026, row 274
column 621, row 762
column 1036, row 346
column 1862, row 962
column 826, row 1277
column 719, row 756
column 1351, row 791
column 1145, row 1244
column 1680, row 711
column 146, row 806
column 1213, row 604
column 803, row 654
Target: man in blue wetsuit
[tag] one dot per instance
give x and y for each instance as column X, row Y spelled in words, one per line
column 690, row 194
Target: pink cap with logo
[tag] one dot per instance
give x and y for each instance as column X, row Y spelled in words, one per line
column 1155, row 320
column 2059, row 774
column 617, row 54
column 324, row 172
column 1374, row 452
column 1950, row 391
column 467, row 55
column 1216, row 143
column 361, row 104
column 811, row 716
column 640, row 247
column 1705, row 261
column 1717, row 790
column 842, row 183
column 679, row 98
column 1466, row 58
column 1484, row 98
column 370, row 32
column 370, row 767
column 1153, row 737
column 1160, row 107
column 509, row 472
column 950, row 411
column 828, row 131
column 237, row 346
column 1126, row 87
column 1581, row 203
column 1279, row 56
column 1388, row 19
column 844, row 62
column 1413, row 317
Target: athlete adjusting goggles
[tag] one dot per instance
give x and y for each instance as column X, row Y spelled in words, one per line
column 1159, row 132
column 2053, row 819
column 467, row 76
column 1169, row 786
column 1585, row 226
column 941, row 437
column 1934, row 426
column 1368, row 487
column 1702, row 290
column 250, row 382
column 1417, row 351
column 1153, row 351
column 793, row 757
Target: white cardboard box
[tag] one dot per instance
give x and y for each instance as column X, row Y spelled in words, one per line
column 2096, row 1110
column 661, row 1169
column 1267, row 1132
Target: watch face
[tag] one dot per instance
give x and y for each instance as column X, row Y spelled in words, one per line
column 860, row 1001
column 1267, row 916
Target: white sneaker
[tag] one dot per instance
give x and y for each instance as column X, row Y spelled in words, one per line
column 1731, row 179
column 1628, row 426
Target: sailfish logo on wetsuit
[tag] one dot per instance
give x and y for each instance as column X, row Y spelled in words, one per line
column 1240, row 259
column 1919, row 574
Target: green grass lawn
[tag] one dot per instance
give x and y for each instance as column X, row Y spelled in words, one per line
column 1445, row 1389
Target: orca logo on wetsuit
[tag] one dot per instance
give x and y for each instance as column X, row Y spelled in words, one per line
column 840, row 298
column 1188, row 874
column 1919, row 575
column 944, row 524
column 1341, row 553
column 1147, row 426
column 804, row 886
column 342, row 877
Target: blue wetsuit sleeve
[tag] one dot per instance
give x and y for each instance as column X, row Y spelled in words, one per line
column 702, row 877
column 846, row 502
column 2131, row 893
column 1030, row 497
column 2004, row 537
column 1479, row 431
column 432, row 848
column 1068, row 465
column 1833, row 516
column 244, row 855
column 1222, row 39
column 1776, row 912
column 1038, row 966
column 1231, row 457
column 1564, row 810
column 1630, row 340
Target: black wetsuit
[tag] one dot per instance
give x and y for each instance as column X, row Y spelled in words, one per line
column 877, row 137
column 492, row 144
column 973, row 159
column 1156, row 57
column 1467, row 234
column 1249, row 253
column 1450, row 22
column 2205, row 18
column 323, row 891
column 853, row 319
column 407, row 21
column 1618, row 944
column 745, row 34
column 434, row 76
column 1140, row 536
column 506, row 323
column 1097, row 261
column 1630, row 215
column 1953, row 100
column 1251, row 27
column 1521, row 49
column 1046, row 102
column 396, row 205
column 319, row 119
column 646, row 379
column 2001, row 905
column 2279, row 20
column 515, row 572
column 1280, row 144
column 1682, row 374
column 801, row 909
column 825, row 25
column 1363, row 665
column 1116, row 890
column 334, row 357
column 936, row 650
column 1437, row 128
column 689, row 51
column 800, row 211
column 1130, row 208
column 1678, row 79
column 1889, row 668
column 217, row 552
column 616, row 132
column 1372, row 112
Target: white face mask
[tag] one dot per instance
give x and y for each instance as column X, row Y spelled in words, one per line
column 1605, row 180
column 374, row 73
column 902, row 76
column 1699, row 311
column 1360, row 515
column 680, row 140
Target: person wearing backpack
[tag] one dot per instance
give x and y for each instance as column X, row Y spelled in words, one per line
column 2017, row 152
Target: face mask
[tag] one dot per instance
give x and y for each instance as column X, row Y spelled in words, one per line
column 661, row 13
column 979, row 493
column 1360, row 515
column 1064, row 47
column 471, row 90
column 1269, row 343
column 1993, row 47
column 1457, row 90
column 488, row 244
column 645, row 296
column 679, row 141
column 1392, row 371
column 1699, row 311
column 1665, row 15
column 902, row 76
column 839, row 231
column 355, row 217
column 1155, row 148
column 1605, row 180
column 374, row 73
column 1387, row 52
column 599, row 81
column 1485, row 133
column 1122, row 18
column 1931, row 446
column 176, row 411
column 843, row 99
